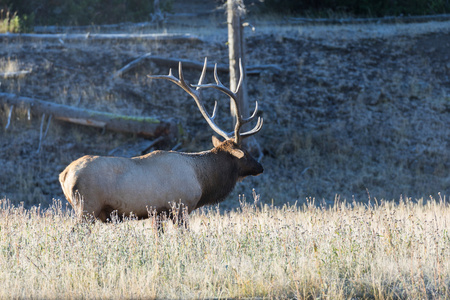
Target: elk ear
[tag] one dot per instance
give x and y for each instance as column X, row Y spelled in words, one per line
column 237, row 153
column 216, row 142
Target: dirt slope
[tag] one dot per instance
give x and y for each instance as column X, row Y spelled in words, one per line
column 355, row 109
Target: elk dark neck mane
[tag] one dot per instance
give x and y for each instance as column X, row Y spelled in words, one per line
column 217, row 174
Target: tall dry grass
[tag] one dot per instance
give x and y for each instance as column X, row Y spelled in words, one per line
column 380, row 251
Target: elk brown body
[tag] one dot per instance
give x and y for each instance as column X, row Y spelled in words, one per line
column 155, row 181
column 98, row 186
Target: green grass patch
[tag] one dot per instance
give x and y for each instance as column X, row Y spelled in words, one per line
column 11, row 22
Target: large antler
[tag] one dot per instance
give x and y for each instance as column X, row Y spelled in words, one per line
column 240, row 120
column 195, row 93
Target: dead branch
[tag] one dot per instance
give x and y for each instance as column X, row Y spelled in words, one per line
column 157, row 16
column 7, row 75
column 131, row 65
column 9, row 116
column 190, row 64
column 143, row 126
column 257, row 69
column 139, row 147
column 43, row 134
column 149, row 146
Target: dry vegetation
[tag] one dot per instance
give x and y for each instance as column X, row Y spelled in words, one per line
column 355, row 108
column 377, row 251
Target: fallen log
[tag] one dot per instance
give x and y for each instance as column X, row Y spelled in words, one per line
column 143, row 126
column 125, row 37
column 383, row 20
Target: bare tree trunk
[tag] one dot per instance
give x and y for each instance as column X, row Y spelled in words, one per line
column 144, row 126
column 236, row 52
column 157, row 16
column 235, row 11
column 156, row 8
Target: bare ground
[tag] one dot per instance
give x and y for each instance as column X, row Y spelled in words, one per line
column 356, row 110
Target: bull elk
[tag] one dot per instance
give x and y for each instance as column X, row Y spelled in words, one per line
column 97, row 186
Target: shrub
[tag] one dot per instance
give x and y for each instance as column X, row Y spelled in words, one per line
column 11, row 22
column 81, row 12
column 359, row 7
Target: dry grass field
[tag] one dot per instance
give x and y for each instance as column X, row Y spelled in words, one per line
column 360, row 111
column 348, row 251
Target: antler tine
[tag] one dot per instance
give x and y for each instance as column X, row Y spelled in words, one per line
column 202, row 76
column 200, row 81
column 178, row 81
column 249, row 119
column 180, row 72
column 213, row 116
column 168, row 77
column 196, row 95
column 216, row 77
column 233, row 95
column 255, row 129
column 240, row 120
column 218, row 86
column 241, row 75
